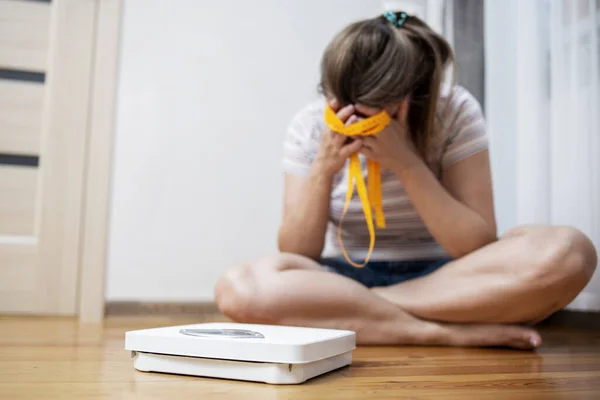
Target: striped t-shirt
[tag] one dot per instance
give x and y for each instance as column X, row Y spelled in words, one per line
column 460, row 133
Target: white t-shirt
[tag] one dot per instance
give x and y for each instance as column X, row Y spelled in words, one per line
column 460, row 133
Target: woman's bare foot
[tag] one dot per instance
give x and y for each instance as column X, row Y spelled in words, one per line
column 414, row 331
column 489, row 335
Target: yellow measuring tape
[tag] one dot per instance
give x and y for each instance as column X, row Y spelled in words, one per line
column 366, row 127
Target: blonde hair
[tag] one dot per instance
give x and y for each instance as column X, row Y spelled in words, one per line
column 375, row 63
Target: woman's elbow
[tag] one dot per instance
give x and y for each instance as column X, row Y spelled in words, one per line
column 473, row 243
column 288, row 242
column 284, row 244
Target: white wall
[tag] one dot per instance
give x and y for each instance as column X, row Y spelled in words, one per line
column 206, row 90
column 500, row 100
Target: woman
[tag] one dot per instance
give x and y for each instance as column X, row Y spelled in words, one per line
column 438, row 274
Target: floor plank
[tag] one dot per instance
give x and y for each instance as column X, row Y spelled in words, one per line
column 56, row 358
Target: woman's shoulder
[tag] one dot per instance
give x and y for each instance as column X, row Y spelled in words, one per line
column 457, row 108
column 303, row 137
column 308, row 120
column 454, row 99
column 461, row 129
column 314, row 108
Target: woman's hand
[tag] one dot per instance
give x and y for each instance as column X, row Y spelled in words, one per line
column 335, row 149
column 392, row 148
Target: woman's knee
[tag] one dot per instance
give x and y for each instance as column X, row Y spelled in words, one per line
column 247, row 293
column 561, row 258
column 233, row 292
column 239, row 294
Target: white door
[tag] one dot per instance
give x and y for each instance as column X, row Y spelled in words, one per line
column 45, row 66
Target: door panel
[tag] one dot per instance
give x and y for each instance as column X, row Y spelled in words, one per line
column 24, row 27
column 21, row 106
column 17, row 204
column 17, row 279
column 45, row 71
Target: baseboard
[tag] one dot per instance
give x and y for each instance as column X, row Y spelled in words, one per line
column 584, row 320
column 154, row 309
column 588, row 302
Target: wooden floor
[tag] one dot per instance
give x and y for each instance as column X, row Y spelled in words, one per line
column 58, row 359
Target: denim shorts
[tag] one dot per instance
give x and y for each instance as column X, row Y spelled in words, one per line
column 384, row 273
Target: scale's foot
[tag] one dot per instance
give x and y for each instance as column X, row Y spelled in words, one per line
column 277, row 374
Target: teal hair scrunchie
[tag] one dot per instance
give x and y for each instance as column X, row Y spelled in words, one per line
column 396, row 20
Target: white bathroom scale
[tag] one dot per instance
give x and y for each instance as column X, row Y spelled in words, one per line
column 260, row 353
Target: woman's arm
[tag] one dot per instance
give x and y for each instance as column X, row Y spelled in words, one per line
column 305, row 214
column 459, row 212
column 307, row 198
